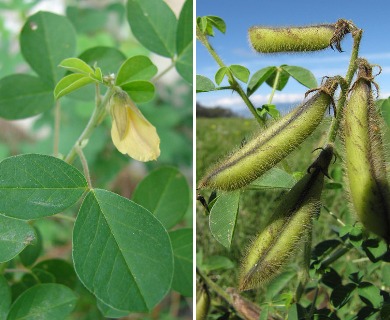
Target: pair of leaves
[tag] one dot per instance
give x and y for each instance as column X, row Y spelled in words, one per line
column 22, row 95
column 207, row 23
column 239, row 72
column 132, row 77
column 155, row 26
column 269, row 74
column 121, row 252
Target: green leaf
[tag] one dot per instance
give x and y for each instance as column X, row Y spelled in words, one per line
column 184, row 42
column 136, row 68
column 214, row 263
column 274, row 178
column 37, row 186
column 98, row 74
column 139, row 91
column 45, row 40
column 220, row 74
column 5, row 298
column 44, row 302
column 258, row 78
column 217, row 22
column 181, row 240
column 386, row 275
column 76, row 65
column 385, row 311
column 279, row 283
column 384, row 105
column 375, row 248
column 71, row 83
column 165, row 193
column 204, row 84
column 31, row 253
column 370, row 295
column 121, row 252
column 153, row 23
column 110, row 312
column 201, row 22
column 283, row 79
column 302, row 75
column 223, row 217
column 62, row 271
column 15, row 235
column 342, row 294
column 240, row 72
column 107, row 58
column 23, row 96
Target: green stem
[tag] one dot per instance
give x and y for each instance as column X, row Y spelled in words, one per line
column 84, row 163
column 216, row 288
column 96, row 118
column 313, row 304
column 357, row 36
column 64, row 217
column 338, row 254
column 158, row 77
column 334, row 216
column 234, row 84
column 57, row 122
column 276, row 81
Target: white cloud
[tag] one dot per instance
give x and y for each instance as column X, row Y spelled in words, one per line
column 233, row 102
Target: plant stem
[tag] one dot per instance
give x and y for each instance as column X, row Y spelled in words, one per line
column 357, row 36
column 57, row 122
column 313, row 304
column 64, row 217
column 96, row 118
column 276, row 81
column 338, row 254
column 234, row 84
column 84, row 163
column 334, row 216
column 158, row 77
column 213, row 286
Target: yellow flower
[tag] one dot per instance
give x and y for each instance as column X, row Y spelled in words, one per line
column 131, row 133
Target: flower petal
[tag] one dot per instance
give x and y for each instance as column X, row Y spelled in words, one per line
column 141, row 141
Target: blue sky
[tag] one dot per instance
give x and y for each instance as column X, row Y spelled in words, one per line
column 233, row 46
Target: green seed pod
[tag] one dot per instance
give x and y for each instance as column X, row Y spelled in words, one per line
column 365, row 159
column 299, row 39
column 288, row 226
column 270, row 146
column 202, row 303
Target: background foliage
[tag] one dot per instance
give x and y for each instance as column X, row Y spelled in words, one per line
column 38, row 263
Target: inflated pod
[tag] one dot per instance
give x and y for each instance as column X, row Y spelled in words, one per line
column 271, row 145
column 202, row 303
column 270, row 251
column 299, row 39
column 365, row 159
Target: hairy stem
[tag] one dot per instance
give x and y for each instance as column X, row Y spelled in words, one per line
column 276, row 82
column 84, row 163
column 96, row 118
column 332, row 134
column 234, row 84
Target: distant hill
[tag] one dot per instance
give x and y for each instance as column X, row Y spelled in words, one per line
column 215, row 112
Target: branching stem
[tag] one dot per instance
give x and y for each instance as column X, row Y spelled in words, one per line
column 234, row 84
column 96, row 118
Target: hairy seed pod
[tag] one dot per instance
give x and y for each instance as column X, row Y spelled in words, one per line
column 299, row 39
column 270, row 146
column 365, row 159
column 291, row 222
column 202, row 303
